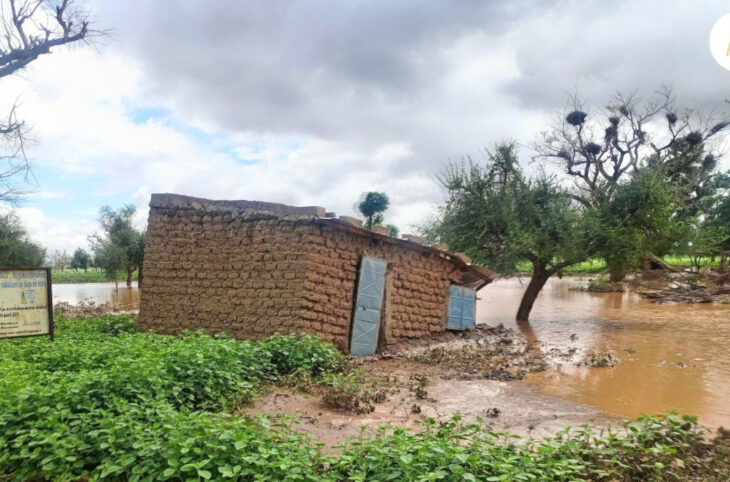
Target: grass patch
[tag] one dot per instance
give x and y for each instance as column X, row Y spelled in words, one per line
column 596, row 266
column 92, row 275
column 104, row 402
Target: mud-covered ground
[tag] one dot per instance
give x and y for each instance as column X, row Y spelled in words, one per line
column 476, row 374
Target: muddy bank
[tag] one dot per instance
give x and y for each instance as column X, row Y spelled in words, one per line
column 475, row 373
column 512, row 406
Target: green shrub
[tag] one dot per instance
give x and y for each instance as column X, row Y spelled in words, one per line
column 100, row 395
column 652, row 448
column 291, row 353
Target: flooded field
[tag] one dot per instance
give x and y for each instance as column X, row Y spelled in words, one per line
column 672, row 356
column 74, row 293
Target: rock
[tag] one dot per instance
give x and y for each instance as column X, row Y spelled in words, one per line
column 493, row 412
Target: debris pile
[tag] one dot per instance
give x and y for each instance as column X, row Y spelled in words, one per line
column 599, row 360
column 492, row 353
column 85, row 309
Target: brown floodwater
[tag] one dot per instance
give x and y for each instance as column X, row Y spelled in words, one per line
column 671, row 356
column 124, row 298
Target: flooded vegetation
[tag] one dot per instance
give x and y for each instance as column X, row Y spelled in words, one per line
column 671, row 356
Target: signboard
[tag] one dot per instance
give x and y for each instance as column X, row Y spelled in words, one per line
column 26, row 303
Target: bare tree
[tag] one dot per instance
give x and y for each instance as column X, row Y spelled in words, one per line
column 30, row 28
column 60, row 260
column 629, row 133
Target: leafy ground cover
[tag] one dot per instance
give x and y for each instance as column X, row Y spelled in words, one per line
column 104, row 402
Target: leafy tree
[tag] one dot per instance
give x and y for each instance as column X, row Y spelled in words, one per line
column 120, row 247
column 640, row 221
column 372, row 206
column 500, row 218
column 706, row 241
column 81, row 259
column 717, row 206
column 394, row 231
column 30, row 28
column 16, row 249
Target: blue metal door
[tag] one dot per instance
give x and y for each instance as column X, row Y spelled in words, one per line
column 462, row 308
column 366, row 321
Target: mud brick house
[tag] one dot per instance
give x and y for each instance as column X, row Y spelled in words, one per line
column 252, row 269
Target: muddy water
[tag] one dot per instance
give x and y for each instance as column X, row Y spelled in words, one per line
column 672, row 356
column 74, row 293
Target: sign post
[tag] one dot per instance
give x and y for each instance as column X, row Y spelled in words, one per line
column 26, row 302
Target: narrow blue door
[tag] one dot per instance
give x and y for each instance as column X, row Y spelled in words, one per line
column 366, row 321
column 462, row 308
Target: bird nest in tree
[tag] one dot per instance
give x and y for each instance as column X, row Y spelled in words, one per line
column 694, row 138
column 576, row 118
column 593, row 148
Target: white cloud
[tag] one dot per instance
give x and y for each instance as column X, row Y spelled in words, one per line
column 54, row 233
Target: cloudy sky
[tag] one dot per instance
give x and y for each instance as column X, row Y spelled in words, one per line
column 315, row 102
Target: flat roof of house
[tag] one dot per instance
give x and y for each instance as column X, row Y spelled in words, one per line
column 475, row 276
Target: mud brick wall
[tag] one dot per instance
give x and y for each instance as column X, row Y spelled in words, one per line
column 416, row 291
column 226, row 270
column 253, row 269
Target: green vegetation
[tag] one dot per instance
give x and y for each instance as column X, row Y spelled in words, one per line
column 16, row 249
column 663, row 448
column 120, row 247
column 106, row 402
column 639, row 221
column 500, row 217
column 598, row 266
column 92, row 275
column 81, row 259
column 372, row 205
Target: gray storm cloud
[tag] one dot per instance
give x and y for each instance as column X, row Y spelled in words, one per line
column 442, row 78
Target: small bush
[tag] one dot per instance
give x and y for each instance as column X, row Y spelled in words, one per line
column 291, row 353
column 352, row 392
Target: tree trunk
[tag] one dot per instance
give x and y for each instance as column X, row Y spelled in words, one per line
column 540, row 276
column 139, row 276
column 617, row 274
column 130, row 272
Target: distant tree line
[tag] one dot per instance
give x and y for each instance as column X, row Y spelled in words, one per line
column 118, row 248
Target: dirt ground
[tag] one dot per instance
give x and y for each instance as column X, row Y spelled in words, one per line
column 512, row 406
column 477, row 374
